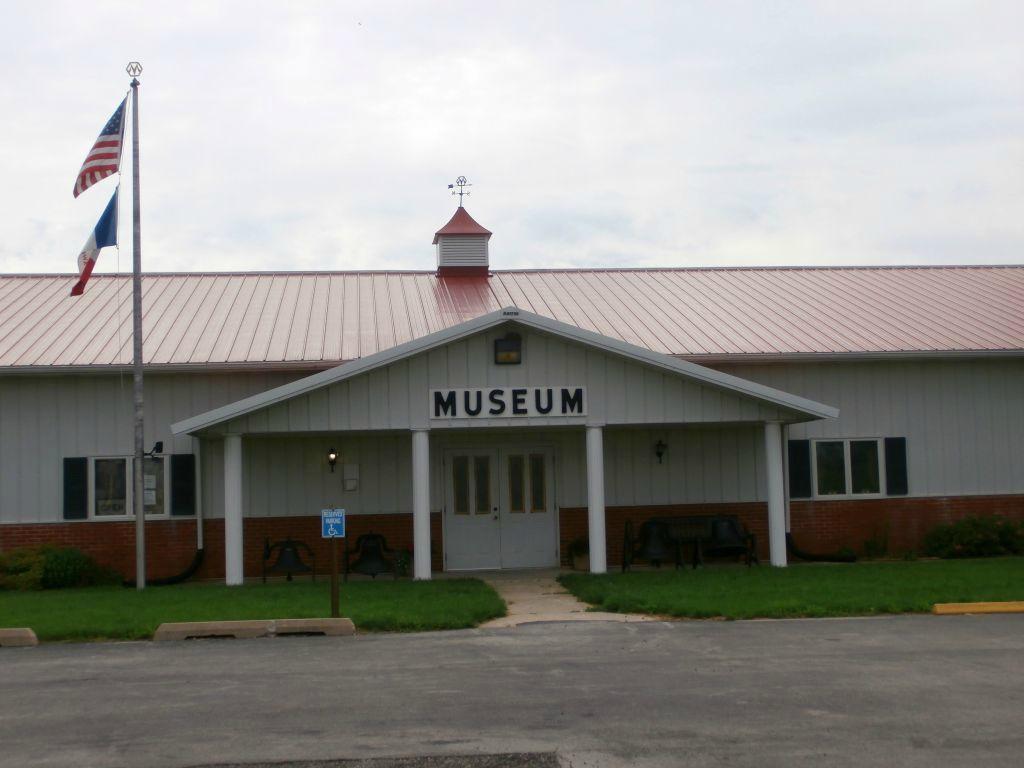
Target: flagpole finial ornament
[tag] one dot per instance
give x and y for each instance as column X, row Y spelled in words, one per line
column 134, row 68
column 461, row 183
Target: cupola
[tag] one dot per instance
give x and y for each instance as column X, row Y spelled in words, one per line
column 462, row 243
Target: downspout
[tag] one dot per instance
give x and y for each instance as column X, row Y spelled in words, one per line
column 197, row 560
column 197, row 445
column 785, row 478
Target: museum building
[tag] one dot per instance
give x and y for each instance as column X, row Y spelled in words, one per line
column 483, row 418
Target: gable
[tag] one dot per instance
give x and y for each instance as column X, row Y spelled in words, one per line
column 618, row 385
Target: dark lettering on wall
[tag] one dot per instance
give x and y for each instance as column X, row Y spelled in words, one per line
column 497, row 398
column 518, row 402
column 536, row 400
column 473, row 410
column 444, row 403
column 572, row 401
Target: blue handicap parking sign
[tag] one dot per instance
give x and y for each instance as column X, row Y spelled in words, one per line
column 332, row 523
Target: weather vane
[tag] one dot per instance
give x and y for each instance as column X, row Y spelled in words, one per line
column 461, row 183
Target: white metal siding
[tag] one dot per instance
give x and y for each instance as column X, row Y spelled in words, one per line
column 46, row 418
column 964, row 423
column 619, row 391
column 963, row 420
column 288, row 475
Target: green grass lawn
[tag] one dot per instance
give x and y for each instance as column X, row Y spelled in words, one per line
column 120, row 613
column 737, row 592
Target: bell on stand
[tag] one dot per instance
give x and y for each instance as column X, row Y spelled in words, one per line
column 288, row 560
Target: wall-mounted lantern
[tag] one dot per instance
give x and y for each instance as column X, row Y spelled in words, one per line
column 659, row 450
column 509, row 350
column 332, row 457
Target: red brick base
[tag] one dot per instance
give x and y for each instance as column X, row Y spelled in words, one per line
column 894, row 525
column 171, row 544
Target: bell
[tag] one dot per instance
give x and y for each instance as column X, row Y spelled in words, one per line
column 288, row 559
column 371, row 559
column 656, row 546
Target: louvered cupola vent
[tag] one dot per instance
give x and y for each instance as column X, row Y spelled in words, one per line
column 462, row 247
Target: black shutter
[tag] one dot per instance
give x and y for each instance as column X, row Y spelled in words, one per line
column 896, row 466
column 183, row 484
column 800, row 469
column 76, row 488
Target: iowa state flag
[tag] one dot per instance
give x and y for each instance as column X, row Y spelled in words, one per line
column 103, row 235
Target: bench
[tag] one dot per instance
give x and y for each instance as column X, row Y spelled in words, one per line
column 703, row 535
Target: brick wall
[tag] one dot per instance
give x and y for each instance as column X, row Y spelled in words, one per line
column 900, row 523
column 171, row 544
column 818, row 526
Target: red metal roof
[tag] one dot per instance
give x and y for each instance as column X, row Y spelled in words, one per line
column 319, row 319
column 461, row 223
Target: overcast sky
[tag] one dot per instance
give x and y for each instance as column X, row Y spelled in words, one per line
column 310, row 135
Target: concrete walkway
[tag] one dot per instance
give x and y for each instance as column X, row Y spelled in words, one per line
column 535, row 595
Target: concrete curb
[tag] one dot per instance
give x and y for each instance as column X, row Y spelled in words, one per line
column 17, row 637
column 186, row 630
column 955, row 609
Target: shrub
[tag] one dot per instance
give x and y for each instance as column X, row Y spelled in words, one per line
column 23, row 568
column 976, row 537
column 48, row 567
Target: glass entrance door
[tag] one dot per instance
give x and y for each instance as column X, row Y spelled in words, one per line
column 472, row 539
column 527, row 508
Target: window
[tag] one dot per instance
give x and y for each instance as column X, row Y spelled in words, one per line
column 482, row 477
column 153, row 485
column 864, row 471
column 831, row 461
column 848, row 467
column 111, row 486
column 538, row 486
column 460, row 479
column 101, row 487
column 516, row 481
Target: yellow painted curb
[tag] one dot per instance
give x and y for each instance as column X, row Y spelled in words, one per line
column 949, row 609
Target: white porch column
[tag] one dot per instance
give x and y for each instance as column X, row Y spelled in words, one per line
column 233, row 566
column 776, row 493
column 595, row 499
column 421, row 503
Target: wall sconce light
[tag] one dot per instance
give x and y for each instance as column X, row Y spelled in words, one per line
column 509, row 350
column 659, row 450
column 332, row 457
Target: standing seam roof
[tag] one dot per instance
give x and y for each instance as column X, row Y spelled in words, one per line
column 313, row 318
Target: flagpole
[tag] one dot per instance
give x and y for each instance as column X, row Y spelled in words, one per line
column 140, row 450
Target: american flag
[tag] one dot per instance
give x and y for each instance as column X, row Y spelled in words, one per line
column 104, row 159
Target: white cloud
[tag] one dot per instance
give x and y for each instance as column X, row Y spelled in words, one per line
column 321, row 135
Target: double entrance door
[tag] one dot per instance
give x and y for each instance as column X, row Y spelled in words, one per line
column 499, row 508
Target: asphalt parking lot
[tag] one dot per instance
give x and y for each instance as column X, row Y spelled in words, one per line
column 907, row 690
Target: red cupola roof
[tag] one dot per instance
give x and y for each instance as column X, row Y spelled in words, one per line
column 461, row 223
